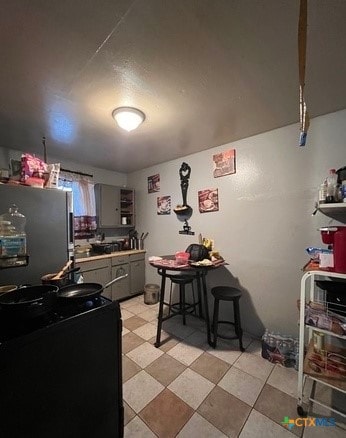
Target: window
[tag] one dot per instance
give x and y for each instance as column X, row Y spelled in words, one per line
column 84, row 208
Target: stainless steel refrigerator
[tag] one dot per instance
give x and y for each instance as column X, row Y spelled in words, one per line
column 49, row 231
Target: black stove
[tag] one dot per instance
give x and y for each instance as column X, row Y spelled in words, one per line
column 11, row 328
column 61, row 373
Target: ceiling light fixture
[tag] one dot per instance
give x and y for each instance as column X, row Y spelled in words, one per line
column 128, row 118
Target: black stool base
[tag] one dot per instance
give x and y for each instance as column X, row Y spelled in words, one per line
column 226, row 293
column 182, row 307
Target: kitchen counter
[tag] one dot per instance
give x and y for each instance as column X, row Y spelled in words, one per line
column 92, row 256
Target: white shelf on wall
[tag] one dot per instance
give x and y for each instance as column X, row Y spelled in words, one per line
column 337, row 208
column 335, row 211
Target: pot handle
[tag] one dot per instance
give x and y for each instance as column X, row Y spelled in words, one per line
column 115, row 280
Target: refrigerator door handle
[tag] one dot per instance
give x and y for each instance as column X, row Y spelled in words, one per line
column 71, row 230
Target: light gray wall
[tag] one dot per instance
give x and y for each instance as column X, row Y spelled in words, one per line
column 264, row 223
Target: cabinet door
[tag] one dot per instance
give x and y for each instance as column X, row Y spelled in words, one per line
column 121, row 289
column 137, row 276
column 97, row 272
column 107, row 205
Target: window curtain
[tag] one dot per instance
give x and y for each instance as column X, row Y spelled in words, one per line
column 84, row 208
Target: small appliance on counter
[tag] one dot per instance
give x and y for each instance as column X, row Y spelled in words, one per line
column 335, row 237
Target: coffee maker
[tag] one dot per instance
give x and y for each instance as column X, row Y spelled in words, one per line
column 335, row 238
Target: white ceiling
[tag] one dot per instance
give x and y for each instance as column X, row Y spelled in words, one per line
column 205, row 72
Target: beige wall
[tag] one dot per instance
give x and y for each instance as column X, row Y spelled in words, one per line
column 264, row 223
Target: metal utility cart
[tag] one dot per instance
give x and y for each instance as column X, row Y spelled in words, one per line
column 319, row 313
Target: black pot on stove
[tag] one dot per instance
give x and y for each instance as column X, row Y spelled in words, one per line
column 29, row 302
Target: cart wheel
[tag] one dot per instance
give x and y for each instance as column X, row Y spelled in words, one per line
column 301, row 411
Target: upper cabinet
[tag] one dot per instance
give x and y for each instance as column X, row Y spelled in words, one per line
column 115, row 206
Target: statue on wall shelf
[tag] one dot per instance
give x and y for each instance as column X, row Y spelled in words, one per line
column 184, row 211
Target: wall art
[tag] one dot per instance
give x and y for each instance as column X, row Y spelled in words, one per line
column 184, row 211
column 164, row 205
column 208, row 200
column 154, row 183
column 224, row 163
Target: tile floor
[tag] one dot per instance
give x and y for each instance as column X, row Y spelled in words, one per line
column 187, row 389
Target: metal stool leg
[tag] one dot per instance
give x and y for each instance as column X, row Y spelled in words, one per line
column 199, row 292
column 237, row 324
column 194, row 300
column 182, row 302
column 160, row 316
column 215, row 322
column 170, row 299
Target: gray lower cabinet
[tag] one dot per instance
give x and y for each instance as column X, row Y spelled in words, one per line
column 104, row 270
column 97, row 271
column 137, row 269
column 120, row 266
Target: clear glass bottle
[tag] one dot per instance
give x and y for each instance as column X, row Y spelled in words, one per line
column 332, row 183
column 12, row 233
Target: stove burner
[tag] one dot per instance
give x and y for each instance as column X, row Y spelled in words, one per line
column 11, row 328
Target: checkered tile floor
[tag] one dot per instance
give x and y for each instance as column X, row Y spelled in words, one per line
column 185, row 388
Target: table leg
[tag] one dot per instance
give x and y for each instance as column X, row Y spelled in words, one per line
column 159, row 318
column 200, row 304
column 201, row 276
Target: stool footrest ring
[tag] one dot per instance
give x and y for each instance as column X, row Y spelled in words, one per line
column 224, row 336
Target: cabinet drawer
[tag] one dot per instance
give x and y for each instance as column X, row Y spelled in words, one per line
column 135, row 257
column 120, row 260
column 94, row 264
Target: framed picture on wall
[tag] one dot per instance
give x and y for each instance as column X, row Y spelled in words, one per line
column 154, row 183
column 208, row 200
column 164, row 205
column 224, row 163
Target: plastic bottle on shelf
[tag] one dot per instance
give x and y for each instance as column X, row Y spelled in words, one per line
column 343, row 190
column 332, row 183
column 322, row 194
column 265, row 336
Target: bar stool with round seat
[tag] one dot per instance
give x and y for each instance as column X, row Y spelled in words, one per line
column 227, row 293
column 182, row 307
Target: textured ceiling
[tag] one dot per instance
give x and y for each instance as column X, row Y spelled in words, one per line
column 205, row 72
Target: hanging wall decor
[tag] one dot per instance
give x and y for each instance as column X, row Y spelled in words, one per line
column 154, row 183
column 184, row 211
column 208, row 200
column 164, row 205
column 224, row 163
column 302, row 36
